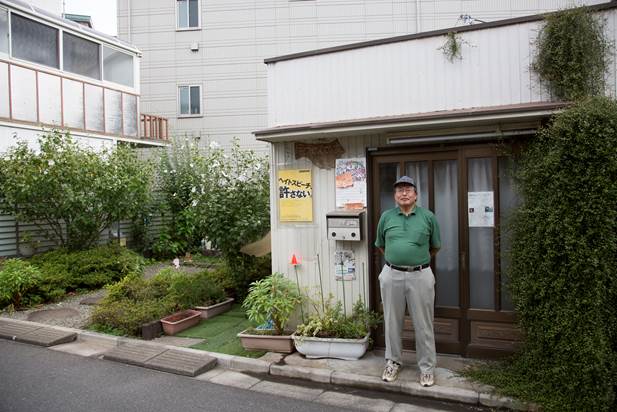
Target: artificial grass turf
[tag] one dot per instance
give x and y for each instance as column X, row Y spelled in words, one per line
column 220, row 333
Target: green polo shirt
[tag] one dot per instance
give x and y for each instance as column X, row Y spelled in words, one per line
column 408, row 239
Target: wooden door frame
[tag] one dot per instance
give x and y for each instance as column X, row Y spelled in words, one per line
column 464, row 313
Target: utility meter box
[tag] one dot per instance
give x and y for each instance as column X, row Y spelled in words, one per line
column 345, row 224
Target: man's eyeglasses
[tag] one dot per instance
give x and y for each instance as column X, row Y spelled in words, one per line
column 404, row 189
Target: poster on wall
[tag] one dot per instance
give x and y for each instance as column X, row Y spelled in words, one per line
column 295, row 195
column 344, row 265
column 481, row 209
column 351, row 183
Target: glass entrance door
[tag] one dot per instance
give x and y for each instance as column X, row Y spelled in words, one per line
column 473, row 315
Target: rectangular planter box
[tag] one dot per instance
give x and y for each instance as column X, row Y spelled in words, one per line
column 208, row 312
column 179, row 321
column 346, row 349
column 270, row 343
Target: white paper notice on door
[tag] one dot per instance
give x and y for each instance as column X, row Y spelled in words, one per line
column 480, row 209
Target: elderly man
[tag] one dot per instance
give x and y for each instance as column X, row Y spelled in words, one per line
column 408, row 236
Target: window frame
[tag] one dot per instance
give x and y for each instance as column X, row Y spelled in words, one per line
column 34, row 19
column 100, row 53
column 179, row 101
column 176, row 14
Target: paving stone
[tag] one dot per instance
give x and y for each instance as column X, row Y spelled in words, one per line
column 46, row 315
column 133, row 354
column 235, row 379
column 210, row 374
column 290, row 391
column 178, row 341
column 92, row 300
column 46, row 337
column 311, row 374
column 84, row 348
column 181, row 363
column 363, row 381
column 241, row 363
column 8, row 329
column 345, row 400
column 441, row 392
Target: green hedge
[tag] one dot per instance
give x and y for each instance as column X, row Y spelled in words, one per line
column 564, row 264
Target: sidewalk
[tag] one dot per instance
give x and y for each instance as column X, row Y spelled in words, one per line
column 362, row 374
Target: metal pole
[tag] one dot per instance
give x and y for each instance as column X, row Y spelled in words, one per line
column 323, row 305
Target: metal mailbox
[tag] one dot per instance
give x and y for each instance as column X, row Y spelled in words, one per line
column 344, row 224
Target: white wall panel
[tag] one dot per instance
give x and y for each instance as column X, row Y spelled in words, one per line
column 410, row 77
column 23, row 93
column 50, row 105
column 4, row 90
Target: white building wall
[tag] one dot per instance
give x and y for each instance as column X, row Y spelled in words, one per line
column 236, row 36
column 52, row 6
column 307, row 240
column 412, row 76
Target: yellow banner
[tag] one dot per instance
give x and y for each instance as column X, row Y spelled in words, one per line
column 295, row 195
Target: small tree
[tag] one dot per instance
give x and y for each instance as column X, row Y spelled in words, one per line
column 72, row 192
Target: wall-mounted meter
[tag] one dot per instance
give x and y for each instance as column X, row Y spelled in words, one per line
column 345, row 224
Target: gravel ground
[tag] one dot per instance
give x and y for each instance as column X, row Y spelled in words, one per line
column 78, row 321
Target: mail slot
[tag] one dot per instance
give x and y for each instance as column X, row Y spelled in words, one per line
column 344, row 224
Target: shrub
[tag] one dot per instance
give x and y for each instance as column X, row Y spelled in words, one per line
column 72, row 192
column 564, row 264
column 17, row 279
column 134, row 300
column 572, row 54
column 88, row 269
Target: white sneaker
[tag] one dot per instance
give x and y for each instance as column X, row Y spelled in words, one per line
column 427, row 379
column 390, row 373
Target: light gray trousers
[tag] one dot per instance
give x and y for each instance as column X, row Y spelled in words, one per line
column 417, row 290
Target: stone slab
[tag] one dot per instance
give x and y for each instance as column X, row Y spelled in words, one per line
column 210, row 374
column 178, row 341
column 235, row 379
column 290, row 391
column 9, row 330
column 45, row 315
column 311, row 374
column 441, row 392
column 240, row 363
column 496, row 401
column 85, row 349
column 348, row 401
column 46, row 337
column 181, row 363
column 133, row 354
column 405, row 407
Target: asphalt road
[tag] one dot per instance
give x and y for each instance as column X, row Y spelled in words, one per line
column 36, row 379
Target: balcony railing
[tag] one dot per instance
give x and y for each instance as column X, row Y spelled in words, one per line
column 46, row 97
column 153, row 127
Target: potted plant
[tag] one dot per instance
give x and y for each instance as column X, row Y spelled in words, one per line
column 329, row 333
column 199, row 291
column 272, row 299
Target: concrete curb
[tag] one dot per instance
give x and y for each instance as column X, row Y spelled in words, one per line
column 257, row 366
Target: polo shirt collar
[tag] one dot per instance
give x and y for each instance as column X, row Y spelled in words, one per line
column 413, row 210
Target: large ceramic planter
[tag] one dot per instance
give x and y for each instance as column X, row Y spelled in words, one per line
column 211, row 311
column 179, row 321
column 346, row 349
column 269, row 343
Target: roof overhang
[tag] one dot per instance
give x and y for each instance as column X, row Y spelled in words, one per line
column 528, row 113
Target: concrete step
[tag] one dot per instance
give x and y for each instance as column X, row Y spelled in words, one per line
column 35, row 335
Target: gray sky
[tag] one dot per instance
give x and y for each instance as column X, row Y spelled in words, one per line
column 103, row 13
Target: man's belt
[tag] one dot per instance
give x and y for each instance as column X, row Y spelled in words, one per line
column 408, row 268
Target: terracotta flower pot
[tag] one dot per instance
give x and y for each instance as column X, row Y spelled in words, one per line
column 211, row 311
column 269, row 343
column 180, row 321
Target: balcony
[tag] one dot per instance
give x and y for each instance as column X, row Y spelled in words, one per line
column 39, row 96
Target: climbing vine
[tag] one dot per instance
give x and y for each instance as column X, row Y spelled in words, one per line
column 572, row 54
column 453, row 46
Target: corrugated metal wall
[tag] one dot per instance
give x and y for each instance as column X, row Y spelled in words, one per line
column 413, row 76
column 306, row 240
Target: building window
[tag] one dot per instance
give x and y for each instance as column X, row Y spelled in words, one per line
column 188, row 14
column 117, row 67
column 189, row 100
column 81, row 56
column 34, row 41
column 4, row 31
